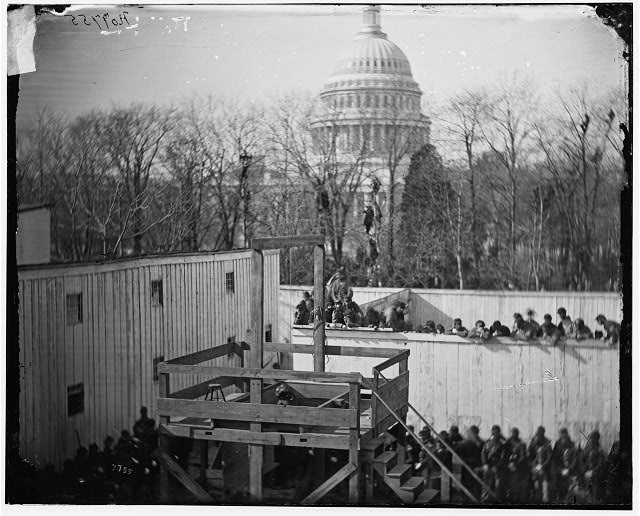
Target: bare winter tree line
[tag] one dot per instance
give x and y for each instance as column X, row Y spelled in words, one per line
column 514, row 191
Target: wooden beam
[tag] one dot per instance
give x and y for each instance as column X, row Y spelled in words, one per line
column 256, row 451
column 402, row 355
column 349, row 351
column 204, row 355
column 302, row 440
column 286, row 241
column 335, row 398
column 354, row 442
column 332, row 482
column 318, row 302
column 276, row 374
column 181, row 476
column 252, row 412
column 164, row 389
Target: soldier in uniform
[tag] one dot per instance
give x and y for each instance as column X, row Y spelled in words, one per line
column 302, row 314
column 353, row 315
column 493, row 464
column 518, row 468
column 479, row 331
column 458, row 329
column 547, row 327
column 611, row 328
column 594, row 466
column 500, row 330
column 582, row 331
column 470, row 451
column 540, row 455
column 565, row 461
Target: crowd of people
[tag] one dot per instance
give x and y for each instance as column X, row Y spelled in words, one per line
column 537, row 473
column 530, row 329
column 341, row 311
column 120, row 472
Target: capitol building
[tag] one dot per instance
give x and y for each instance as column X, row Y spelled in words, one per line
column 372, row 103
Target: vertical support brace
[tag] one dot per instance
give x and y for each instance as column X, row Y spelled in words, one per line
column 318, row 303
column 256, row 456
column 163, row 439
column 354, row 444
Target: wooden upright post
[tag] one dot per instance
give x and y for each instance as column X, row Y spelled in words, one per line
column 318, row 303
column 354, row 440
column 163, row 439
column 256, row 456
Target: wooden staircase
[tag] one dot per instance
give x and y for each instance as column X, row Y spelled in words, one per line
column 411, row 490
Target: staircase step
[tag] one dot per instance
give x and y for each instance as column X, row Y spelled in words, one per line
column 372, row 444
column 386, row 461
column 414, row 485
column 401, row 472
column 426, row 496
column 388, row 458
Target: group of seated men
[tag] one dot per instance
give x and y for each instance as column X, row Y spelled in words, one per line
column 528, row 329
column 344, row 312
column 521, row 474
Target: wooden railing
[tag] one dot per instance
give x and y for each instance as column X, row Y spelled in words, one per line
column 395, row 392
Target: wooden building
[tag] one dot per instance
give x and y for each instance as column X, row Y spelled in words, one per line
column 91, row 336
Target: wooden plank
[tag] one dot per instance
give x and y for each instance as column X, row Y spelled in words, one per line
column 317, row 390
column 279, row 374
column 342, row 474
column 335, row 398
column 302, row 440
column 202, row 356
column 402, row 355
column 253, row 412
column 351, row 351
column 318, row 296
column 354, row 441
column 287, row 241
column 181, row 476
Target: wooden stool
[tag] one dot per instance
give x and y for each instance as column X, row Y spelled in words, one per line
column 217, row 388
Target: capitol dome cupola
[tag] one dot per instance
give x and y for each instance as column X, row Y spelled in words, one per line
column 372, row 88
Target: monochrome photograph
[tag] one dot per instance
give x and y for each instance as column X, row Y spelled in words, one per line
column 302, row 255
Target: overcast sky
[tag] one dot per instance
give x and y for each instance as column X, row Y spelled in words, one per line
column 250, row 52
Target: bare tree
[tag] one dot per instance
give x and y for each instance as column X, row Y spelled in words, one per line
column 310, row 135
column 465, row 114
column 132, row 140
column 575, row 149
column 507, row 136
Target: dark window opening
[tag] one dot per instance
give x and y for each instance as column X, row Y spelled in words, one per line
column 156, row 293
column 268, row 335
column 75, row 399
column 74, row 308
column 230, row 282
column 156, row 361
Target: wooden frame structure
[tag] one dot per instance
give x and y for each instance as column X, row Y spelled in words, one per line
column 319, row 427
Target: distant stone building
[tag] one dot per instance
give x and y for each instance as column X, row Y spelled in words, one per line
column 372, row 100
column 371, row 109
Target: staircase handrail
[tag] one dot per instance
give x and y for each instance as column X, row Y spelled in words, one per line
column 424, row 447
column 447, row 446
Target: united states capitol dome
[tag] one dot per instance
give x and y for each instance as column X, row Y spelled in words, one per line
column 371, row 92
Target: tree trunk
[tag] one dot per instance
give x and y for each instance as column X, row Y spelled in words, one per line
column 392, row 205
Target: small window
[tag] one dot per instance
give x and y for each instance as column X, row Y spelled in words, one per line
column 74, row 308
column 268, row 335
column 230, row 282
column 75, row 399
column 156, row 293
column 156, row 361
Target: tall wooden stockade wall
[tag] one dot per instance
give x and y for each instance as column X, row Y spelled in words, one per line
column 112, row 350
column 457, row 381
